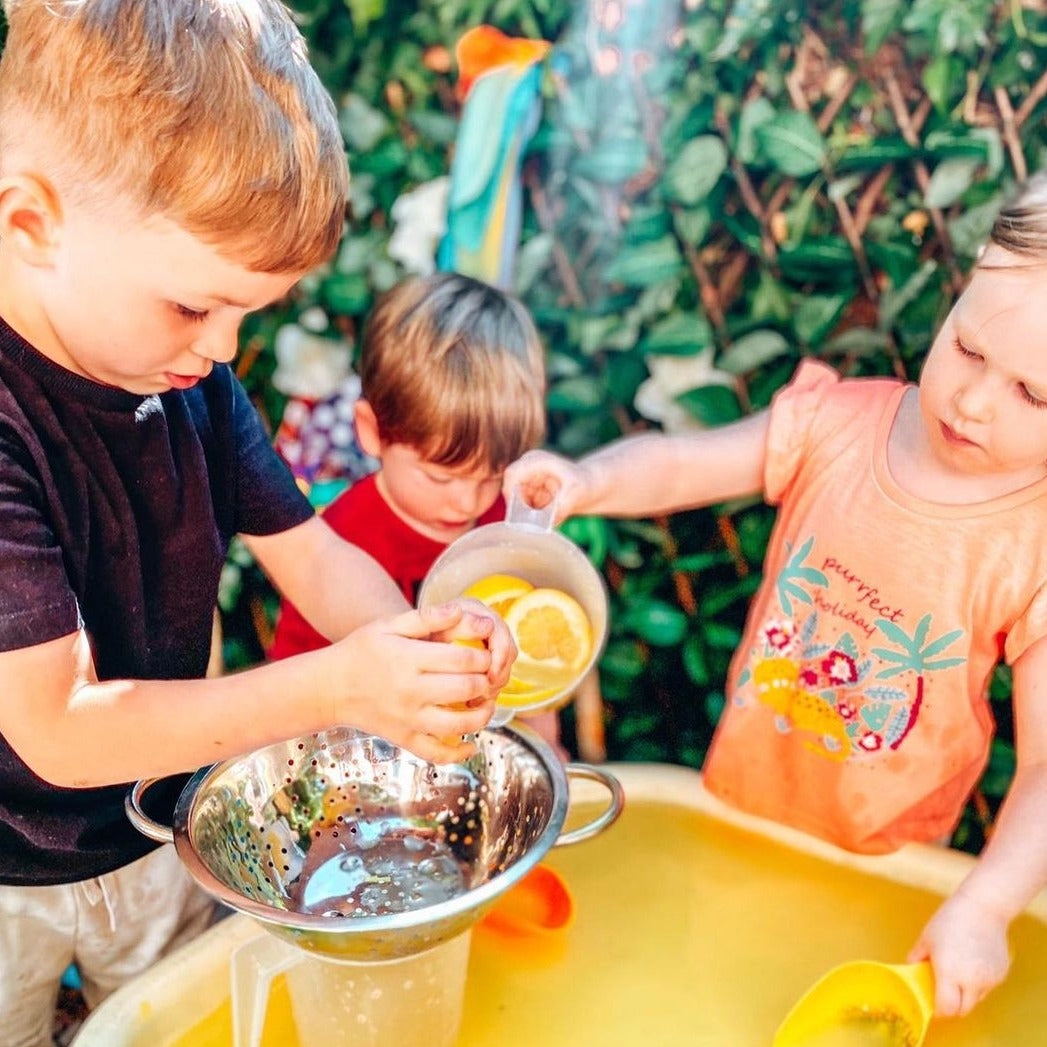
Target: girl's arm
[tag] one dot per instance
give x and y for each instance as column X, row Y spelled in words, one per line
column 650, row 474
column 966, row 940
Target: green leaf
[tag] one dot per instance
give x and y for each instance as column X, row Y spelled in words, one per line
column 792, row 144
column 893, row 302
column 655, row 621
column 879, row 18
column 873, row 155
column 694, row 171
column 643, row 265
column 347, row 293
column 532, row 260
column 574, row 395
column 970, row 229
column 943, row 80
column 623, row 658
column 720, row 636
column 770, row 300
column 857, row 341
column 712, row 405
column 755, row 113
column 950, row 181
column 748, row 18
column 817, row 314
column 751, row 351
column 695, row 663
column 365, row 12
column 692, row 224
column 827, row 258
column 714, row 706
column 951, row 26
column 362, row 125
column 1003, row 762
column 438, row 127
column 678, row 334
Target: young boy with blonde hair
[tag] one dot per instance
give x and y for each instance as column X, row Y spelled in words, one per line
column 166, row 166
column 453, row 390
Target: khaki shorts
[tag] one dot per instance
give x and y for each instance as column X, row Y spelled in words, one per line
column 114, row 927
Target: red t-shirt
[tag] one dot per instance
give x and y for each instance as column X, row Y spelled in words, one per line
column 363, row 517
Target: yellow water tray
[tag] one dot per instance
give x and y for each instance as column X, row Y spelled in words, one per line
column 695, row 926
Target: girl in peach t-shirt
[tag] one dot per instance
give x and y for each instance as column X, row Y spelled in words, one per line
column 909, row 556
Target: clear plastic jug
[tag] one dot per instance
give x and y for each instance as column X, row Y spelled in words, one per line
column 525, row 545
column 415, row 1001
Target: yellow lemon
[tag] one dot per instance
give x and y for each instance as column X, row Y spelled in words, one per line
column 499, row 591
column 552, row 635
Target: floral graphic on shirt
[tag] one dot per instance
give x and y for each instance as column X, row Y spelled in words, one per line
column 832, row 691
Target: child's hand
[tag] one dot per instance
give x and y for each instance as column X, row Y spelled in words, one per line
column 542, row 476
column 394, row 678
column 966, row 943
column 480, row 623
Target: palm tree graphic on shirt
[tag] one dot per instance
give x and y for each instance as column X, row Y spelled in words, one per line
column 914, row 654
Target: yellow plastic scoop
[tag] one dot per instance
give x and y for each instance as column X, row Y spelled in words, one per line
column 863, row 1004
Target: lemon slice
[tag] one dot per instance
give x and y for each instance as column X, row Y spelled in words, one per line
column 499, row 591
column 552, row 635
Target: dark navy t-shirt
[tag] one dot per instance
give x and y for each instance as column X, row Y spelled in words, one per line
column 116, row 510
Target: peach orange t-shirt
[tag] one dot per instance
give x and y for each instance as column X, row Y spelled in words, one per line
column 857, row 700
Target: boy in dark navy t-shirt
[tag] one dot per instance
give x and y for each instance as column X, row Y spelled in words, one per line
column 165, row 168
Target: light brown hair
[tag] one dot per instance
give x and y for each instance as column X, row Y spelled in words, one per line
column 1021, row 224
column 453, row 368
column 204, row 111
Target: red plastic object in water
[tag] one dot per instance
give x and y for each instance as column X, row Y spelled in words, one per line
column 539, row 908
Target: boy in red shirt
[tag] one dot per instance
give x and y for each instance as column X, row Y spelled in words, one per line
column 453, row 390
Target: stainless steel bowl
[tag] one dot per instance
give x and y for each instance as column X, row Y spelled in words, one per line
column 353, row 848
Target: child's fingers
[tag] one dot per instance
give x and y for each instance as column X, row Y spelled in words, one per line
column 440, row 750
column 425, row 621
column 448, row 722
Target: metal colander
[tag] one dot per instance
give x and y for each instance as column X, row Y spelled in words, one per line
column 351, row 847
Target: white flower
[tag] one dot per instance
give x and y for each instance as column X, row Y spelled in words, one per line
column 671, row 376
column 420, row 218
column 307, row 365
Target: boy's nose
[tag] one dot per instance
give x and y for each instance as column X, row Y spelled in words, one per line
column 467, row 499
column 217, row 344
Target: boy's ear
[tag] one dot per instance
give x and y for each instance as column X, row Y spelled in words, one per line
column 30, row 217
column 367, row 433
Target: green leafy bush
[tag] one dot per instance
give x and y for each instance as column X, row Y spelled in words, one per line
column 715, row 191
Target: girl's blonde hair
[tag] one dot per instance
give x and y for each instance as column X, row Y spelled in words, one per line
column 453, row 368
column 1021, row 225
column 204, row 111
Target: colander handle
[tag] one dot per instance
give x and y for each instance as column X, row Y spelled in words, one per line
column 139, row 819
column 605, row 818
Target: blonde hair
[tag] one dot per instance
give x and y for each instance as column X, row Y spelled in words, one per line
column 1021, row 225
column 453, row 368
column 204, row 111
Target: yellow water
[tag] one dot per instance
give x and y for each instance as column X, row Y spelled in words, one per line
column 689, row 933
column 856, row 1036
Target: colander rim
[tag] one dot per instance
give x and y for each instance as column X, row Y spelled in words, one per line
column 474, row 898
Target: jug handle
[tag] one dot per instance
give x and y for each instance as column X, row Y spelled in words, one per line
column 252, row 968
column 520, row 514
column 605, row 818
column 139, row 819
